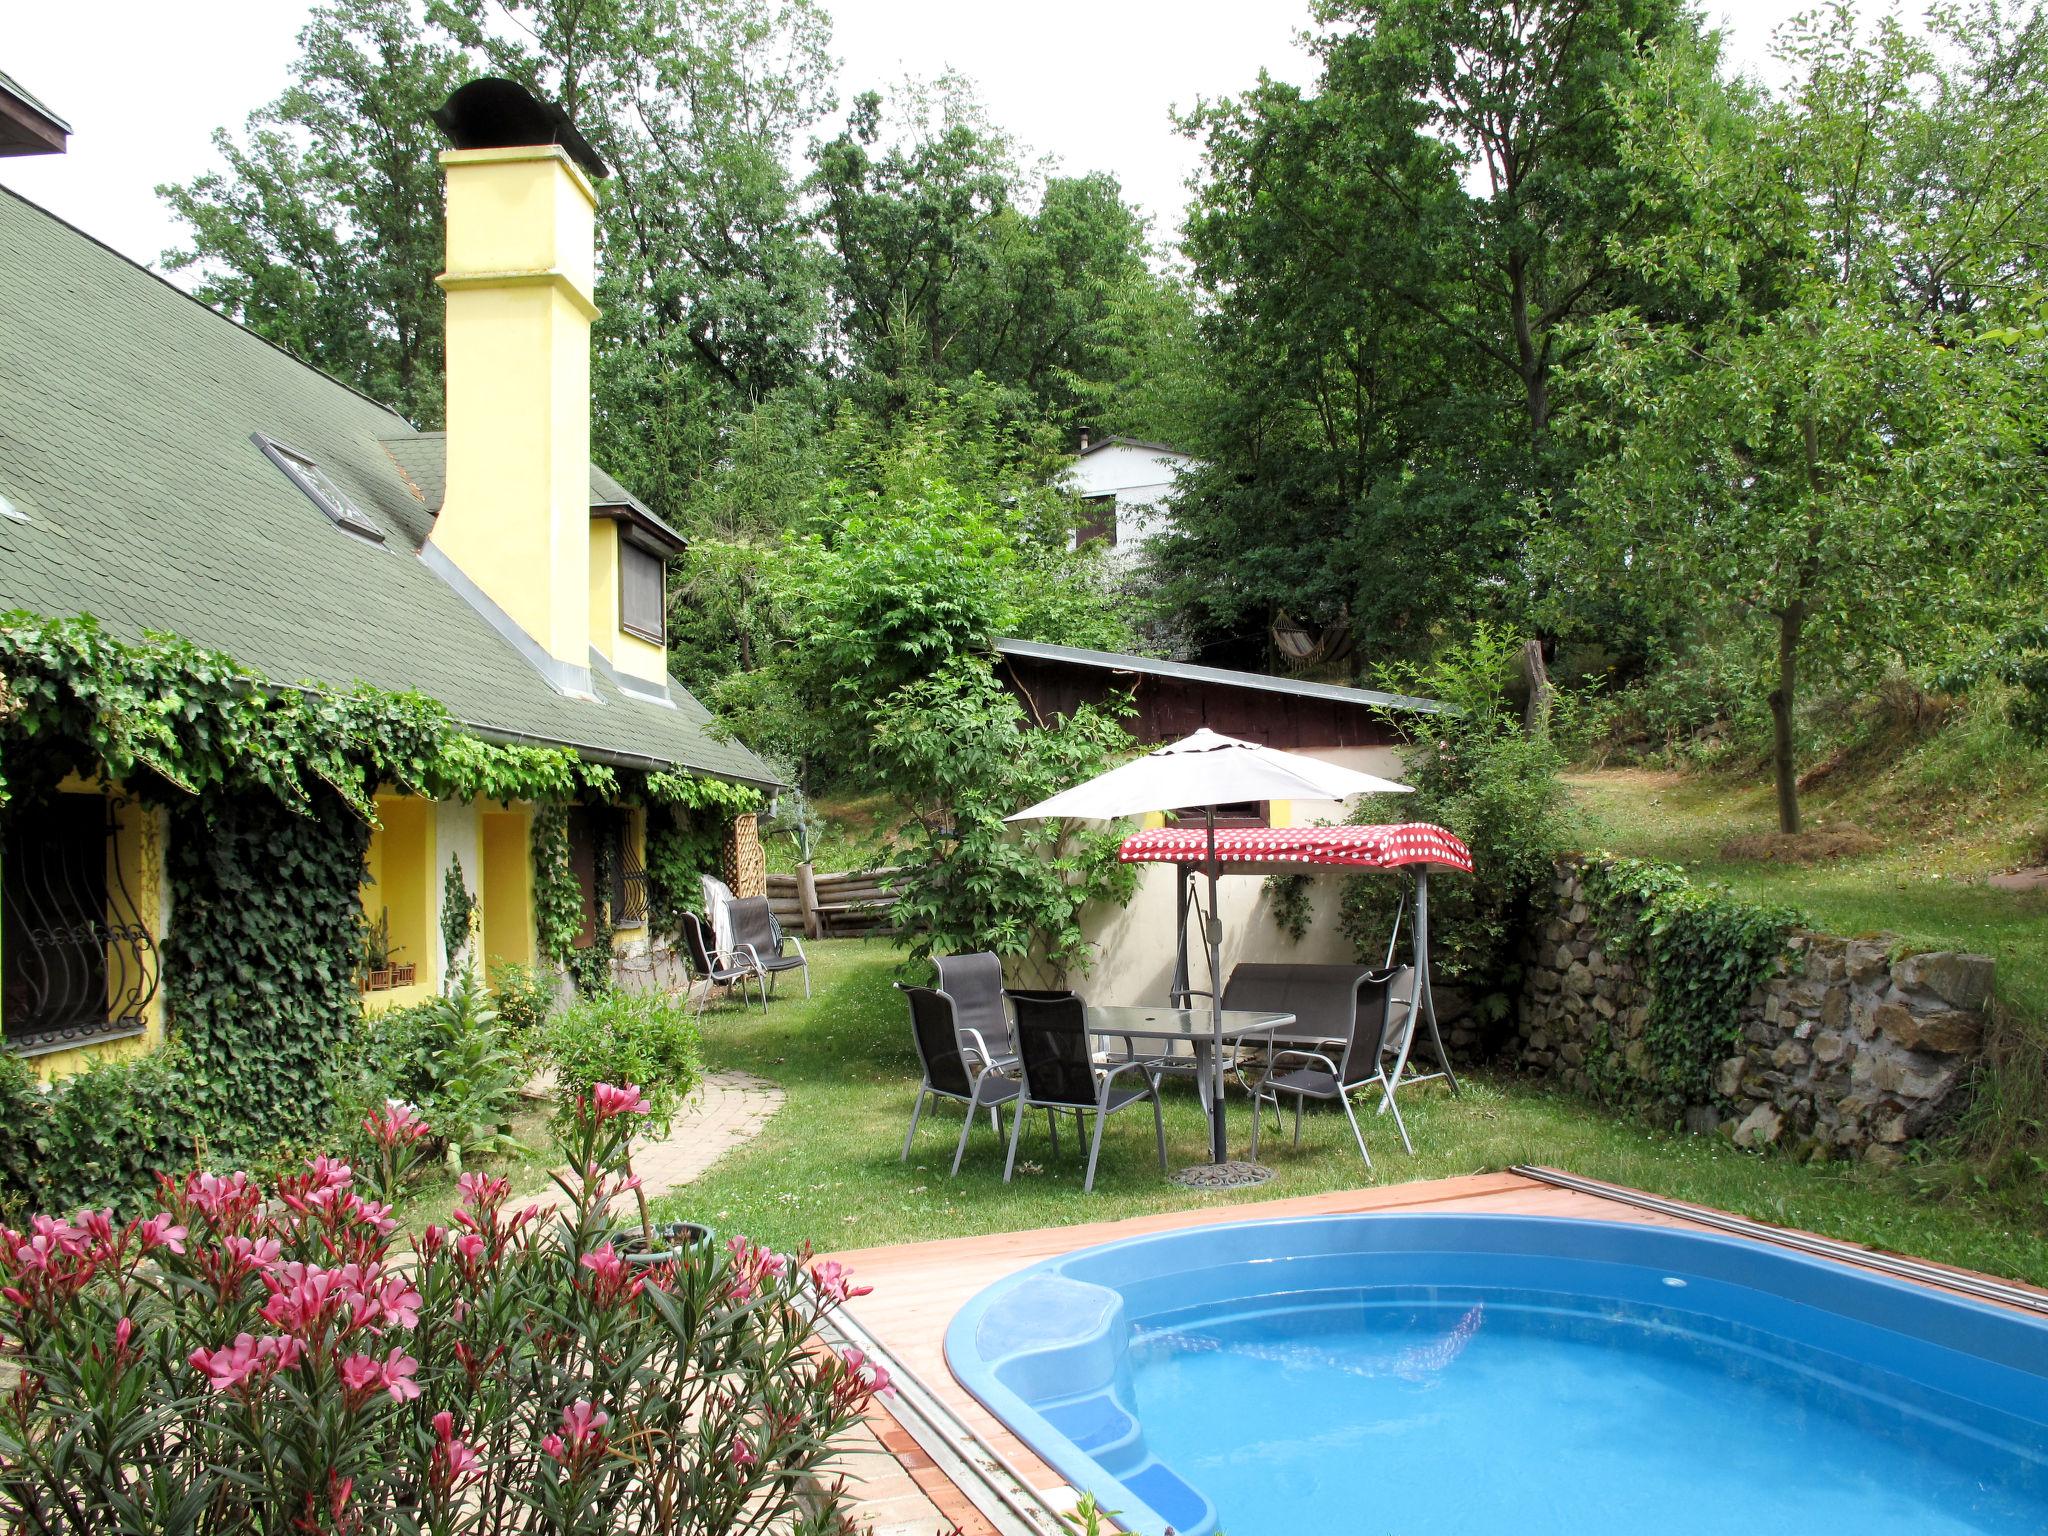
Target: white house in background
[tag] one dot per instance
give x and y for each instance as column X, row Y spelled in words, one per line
column 1127, row 489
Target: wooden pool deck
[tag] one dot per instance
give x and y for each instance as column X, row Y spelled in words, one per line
column 896, row 1487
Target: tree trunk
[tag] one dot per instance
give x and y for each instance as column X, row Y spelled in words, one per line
column 1784, row 766
column 1536, row 713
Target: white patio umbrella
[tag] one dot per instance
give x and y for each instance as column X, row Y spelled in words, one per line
column 1201, row 772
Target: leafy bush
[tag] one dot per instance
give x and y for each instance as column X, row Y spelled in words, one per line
column 248, row 1359
column 956, row 752
column 525, row 996
column 1482, row 776
column 98, row 1137
column 644, row 1038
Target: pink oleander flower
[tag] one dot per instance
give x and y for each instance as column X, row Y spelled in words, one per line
column 398, row 1123
column 862, row 1379
column 834, row 1281
column 480, row 1192
column 611, row 1281
column 124, row 1335
column 454, row 1462
column 160, row 1231
column 362, row 1375
column 752, row 1267
column 97, row 1228
column 740, row 1454
column 432, row 1240
column 233, row 1364
column 582, row 1432
column 224, row 1200
column 610, row 1100
column 247, row 1255
column 331, row 1172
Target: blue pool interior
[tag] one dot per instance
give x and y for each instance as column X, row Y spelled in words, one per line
column 1534, row 1375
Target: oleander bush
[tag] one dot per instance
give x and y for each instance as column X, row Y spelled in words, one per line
column 278, row 1360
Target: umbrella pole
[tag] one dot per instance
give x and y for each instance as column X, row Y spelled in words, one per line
column 1219, row 1146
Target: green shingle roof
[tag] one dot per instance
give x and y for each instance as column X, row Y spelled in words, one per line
column 126, row 409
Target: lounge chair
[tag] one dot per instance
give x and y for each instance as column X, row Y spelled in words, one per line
column 1315, row 1074
column 719, row 968
column 949, row 1070
column 755, row 932
column 1060, row 1073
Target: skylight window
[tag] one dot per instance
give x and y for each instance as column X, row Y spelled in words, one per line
column 320, row 488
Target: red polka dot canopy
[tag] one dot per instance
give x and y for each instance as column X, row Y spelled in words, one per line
column 1270, row 849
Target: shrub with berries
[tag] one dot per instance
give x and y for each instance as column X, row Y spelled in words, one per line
column 250, row 1360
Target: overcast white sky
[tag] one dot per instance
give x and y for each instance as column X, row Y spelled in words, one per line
column 1090, row 82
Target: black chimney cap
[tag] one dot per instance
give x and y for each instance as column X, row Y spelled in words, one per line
column 502, row 114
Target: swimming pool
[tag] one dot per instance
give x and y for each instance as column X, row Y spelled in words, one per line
column 1403, row 1375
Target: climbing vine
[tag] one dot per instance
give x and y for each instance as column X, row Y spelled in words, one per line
column 458, row 912
column 688, row 821
column 270, row 792
column 1292, row 908
column 1700, row 952
column 557, row 900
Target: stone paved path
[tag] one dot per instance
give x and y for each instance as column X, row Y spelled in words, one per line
column 727, row 1111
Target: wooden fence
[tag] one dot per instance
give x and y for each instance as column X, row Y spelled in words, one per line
column 832, row 906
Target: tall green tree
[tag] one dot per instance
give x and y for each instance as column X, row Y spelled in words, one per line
column 324, row 232
column 950, row 258
column 1392, row 264
column 1825, row 450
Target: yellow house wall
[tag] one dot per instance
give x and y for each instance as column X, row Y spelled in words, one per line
column 519, row 283
column 402, row 880
column 629, row 653
column 505, row 881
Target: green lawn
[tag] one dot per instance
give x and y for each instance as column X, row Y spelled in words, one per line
column 826, row 1169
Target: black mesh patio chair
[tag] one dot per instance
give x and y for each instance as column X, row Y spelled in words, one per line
column 756, row 933
column 1060, row 1073
column 975, row 984
column 1307, row 1074
column 950, row 1070
column 725, row 969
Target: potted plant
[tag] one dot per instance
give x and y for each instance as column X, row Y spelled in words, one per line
column 380, row 973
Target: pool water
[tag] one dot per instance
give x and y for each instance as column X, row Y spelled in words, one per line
column 1413, row 1417
column 1438, row 1375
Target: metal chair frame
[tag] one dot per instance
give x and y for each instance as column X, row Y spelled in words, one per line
column 1102, row 1108
column 721, row 968
column 988, row 1088
column 766, row 950
column 1268, row 1090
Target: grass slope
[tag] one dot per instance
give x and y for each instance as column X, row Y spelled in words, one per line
column 826, row 1168
column 1925, row 884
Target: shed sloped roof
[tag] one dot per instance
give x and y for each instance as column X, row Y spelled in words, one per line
column 126, row 409
column 1220, row 677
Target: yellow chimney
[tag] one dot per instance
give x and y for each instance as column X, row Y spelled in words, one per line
column 513, row 533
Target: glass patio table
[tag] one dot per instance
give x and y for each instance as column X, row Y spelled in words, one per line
column 1194, row 1025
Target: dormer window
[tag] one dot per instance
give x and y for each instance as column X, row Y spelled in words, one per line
column 320, row 488
column 643, row 596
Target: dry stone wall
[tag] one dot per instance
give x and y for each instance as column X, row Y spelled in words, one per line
column 1853, row 1049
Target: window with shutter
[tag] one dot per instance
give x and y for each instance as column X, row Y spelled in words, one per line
column 642, row 594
